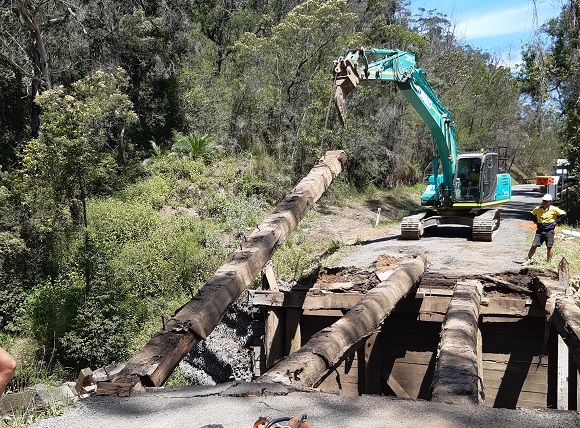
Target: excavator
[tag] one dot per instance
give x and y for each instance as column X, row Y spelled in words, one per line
column 462, row 189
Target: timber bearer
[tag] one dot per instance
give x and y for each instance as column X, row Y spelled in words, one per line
column 546, row 218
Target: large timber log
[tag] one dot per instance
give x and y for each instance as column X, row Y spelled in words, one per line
column 458, row 372
column 308, row 366
column 562, row 312
column 195, row 320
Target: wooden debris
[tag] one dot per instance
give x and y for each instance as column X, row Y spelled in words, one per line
column 84, row 380
column 120, row 389
column 195, row 320
column 107, row 373
column 326, row 349
column 562, row 312
column 510, row 286
column 269, row 277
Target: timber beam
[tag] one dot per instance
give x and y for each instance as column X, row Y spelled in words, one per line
column 429, row 304
column 305, row 300
column 457, row 373
column 325, row 350
column 562, row 312
column 195, row 320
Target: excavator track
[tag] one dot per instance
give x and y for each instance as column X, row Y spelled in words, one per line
column 412, row 226
column 485, row 225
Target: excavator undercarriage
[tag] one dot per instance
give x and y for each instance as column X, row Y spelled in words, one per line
column 484, row 224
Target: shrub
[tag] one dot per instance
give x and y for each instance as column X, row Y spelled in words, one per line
column 102, row 329
column 196, row 146
column 49, row 309
column 176, row 257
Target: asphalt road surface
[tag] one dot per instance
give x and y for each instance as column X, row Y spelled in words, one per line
column 220, row 407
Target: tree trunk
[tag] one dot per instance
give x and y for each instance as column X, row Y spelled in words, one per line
column 326, row 349
column 40, row 61
column 39, row 57
column 195, row 320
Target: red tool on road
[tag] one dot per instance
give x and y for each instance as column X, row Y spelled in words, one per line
column 282, row 422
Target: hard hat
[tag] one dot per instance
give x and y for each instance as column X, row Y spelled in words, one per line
column 547, row 197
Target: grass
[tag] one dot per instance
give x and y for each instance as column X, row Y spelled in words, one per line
column 569, row 248
column 26, row 416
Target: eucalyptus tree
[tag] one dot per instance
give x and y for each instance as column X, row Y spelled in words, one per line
column 24, row 46
column 223, row 22
column 75, row 155
column 550, row 81
column 285, row 77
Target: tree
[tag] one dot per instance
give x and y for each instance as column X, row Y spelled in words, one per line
column 14, row 113
column 23, row 32
column 572, row 106
column 223, row 22
column 79, row 152
column 285, row 77
column 549, row 79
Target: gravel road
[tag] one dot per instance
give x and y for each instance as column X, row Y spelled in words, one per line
column 450, row 249
column 220, row 407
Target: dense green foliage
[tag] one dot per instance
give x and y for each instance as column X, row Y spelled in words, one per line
column 160, row 132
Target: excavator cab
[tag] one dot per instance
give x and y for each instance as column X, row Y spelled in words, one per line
column 476, row 178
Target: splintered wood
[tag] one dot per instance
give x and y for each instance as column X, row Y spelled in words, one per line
column 562, row 311
column 195, row 320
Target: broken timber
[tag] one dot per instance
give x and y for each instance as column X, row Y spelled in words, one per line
column 457, row 377
column 195, row 320
column 308, row 366
column 562, row 312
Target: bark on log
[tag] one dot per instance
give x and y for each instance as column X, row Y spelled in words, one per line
column 456, row 378
column 562, row 312
column 326, row 349
column 195, row 320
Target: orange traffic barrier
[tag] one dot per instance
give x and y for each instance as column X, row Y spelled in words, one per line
column 544, row 180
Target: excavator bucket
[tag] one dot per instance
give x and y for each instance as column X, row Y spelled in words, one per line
column 346, row 78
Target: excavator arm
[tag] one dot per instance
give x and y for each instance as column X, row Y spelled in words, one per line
column 400, row 67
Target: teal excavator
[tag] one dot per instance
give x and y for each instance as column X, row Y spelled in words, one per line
column 463, row 189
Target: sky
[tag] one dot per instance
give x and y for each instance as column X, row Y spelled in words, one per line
column 500, row 27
